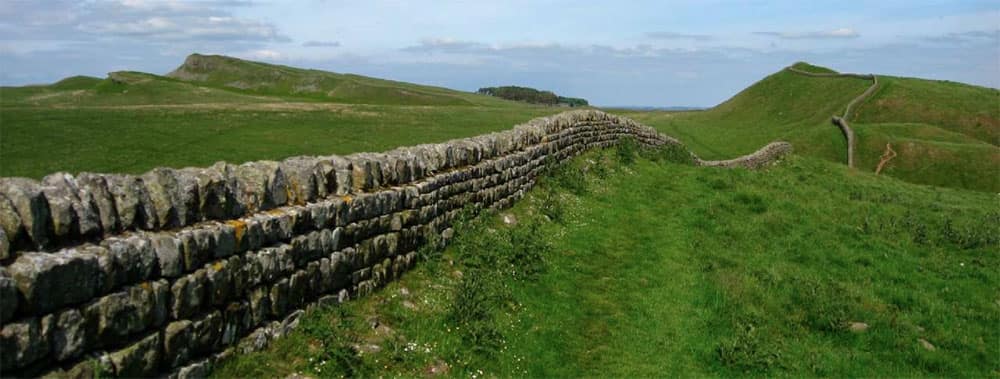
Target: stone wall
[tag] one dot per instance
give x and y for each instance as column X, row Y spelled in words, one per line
column 841, row 121
column 168, row 271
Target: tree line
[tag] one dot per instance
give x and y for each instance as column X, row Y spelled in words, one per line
column 531, row 95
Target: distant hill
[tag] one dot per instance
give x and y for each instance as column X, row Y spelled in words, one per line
column 531, row 95
column 945, row 133
column 290, row 82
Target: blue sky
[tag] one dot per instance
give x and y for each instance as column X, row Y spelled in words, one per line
column 647, row 53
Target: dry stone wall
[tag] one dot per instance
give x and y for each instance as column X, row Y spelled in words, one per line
column 165, row 272
column 841, row 121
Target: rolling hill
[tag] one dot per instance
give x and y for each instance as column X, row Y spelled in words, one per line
column 945, row 133
column 130, row 121
column 290, row 82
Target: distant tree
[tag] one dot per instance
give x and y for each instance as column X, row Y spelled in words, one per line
column 530, row 95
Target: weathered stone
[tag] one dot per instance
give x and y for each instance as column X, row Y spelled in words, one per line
column 298, row 286
column 97, row 188
column 206, row 333
column 236, row 322
column 49, row 281
column 133, row 259
column 260, row 304
column 225, row 240
column 161, row 184
column 169, row 254
column 131, row 310
column 64, row 221
column 177, row 340
column 140, row 359
column 27, row 198
column 22, row 343
column 86, row 214
column 219, row 285
column 135, row 209
column 69, row 337
column 196, row 370
column 188, row 293
column 302, row 183
column 11, row 229
column 216, row 191
column 8, row 296
column 279, row 298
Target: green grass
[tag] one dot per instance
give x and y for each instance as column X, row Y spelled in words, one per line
column 34, row 143
column 797, row 108
column 957, row 107
column 290, row 82
column 659, row 269
column 131, row 122
column 924, row 152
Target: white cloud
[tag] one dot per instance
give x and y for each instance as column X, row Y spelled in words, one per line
column 840, row 33
column 321, row 44
column 682, row 36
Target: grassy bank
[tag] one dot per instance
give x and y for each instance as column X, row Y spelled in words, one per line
column 652, row 268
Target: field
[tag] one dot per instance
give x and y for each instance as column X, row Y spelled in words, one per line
column 132, row 122
column 623, row 263
column 945, row 132
column 621, row 269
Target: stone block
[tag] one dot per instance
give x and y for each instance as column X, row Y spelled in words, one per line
column 177, row 340
column 32, row 208
column 69, row 335
column 49, row 281
column 141, row 359
column 169, row 254
column 22, row 343
column 9, row 301
column 134, row 259
column 134, row 207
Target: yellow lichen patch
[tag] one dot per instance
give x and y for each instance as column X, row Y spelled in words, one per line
column 146, row 286
column 347, row 198
column 218, row 265
column 240, row 228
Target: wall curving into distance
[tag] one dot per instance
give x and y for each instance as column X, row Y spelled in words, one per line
column 168, row 271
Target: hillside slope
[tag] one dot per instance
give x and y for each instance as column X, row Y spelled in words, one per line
column 122, row 88
column 277, row 80
column 945, row 133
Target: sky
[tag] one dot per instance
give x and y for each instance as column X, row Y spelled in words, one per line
column 624, row 53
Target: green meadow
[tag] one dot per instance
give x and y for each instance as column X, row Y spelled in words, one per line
column 642, row 267
column 623, row 262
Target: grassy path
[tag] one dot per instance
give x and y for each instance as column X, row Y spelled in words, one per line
column 655, row 269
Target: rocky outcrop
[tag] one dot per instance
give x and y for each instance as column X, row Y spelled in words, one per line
column 168, row 271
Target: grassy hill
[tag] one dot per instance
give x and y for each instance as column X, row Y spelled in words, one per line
column 131, row 122
column 922, row 119
column 291, row 82
column 651, row 269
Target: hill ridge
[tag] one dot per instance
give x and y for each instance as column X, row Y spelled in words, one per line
column 841, row 121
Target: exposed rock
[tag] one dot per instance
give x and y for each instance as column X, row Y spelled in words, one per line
column 135, row 209
column 49, row 281
column 926, row 344
column 140, row 359
column 22, row 343
column 27, row 198
column 8, row 296
column 176, row 343
column 857, row 327
column 96, row 186
column 169, row 254
column 10, row 228
column 69, row 337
